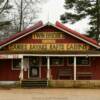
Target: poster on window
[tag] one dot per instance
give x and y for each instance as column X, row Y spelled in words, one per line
column 34, row 72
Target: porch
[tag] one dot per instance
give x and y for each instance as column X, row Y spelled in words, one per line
column 61, row 68
column 49, row 67
column 54, row 70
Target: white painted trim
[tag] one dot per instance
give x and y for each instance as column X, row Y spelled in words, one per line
column 48, row 68
column 7, row 82
column 57, row 55
column 63, row 55
column 74, row 67
column 21, row 76
column 10, row 56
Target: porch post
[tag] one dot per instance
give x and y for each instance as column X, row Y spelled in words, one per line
column 22, row 67
column 75, row 68
column 48, row 68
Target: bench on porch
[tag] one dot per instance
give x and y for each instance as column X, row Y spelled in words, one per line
column 84, row 75
column 64, row 73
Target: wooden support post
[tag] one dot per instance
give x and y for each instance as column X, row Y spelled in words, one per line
column 48, row 68
column 75, row 68
column 22, row 69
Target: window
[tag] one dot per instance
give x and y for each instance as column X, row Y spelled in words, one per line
column 57, row 61
column 53, row 61
column 16, row 63
column 84, row 61
column 34, row 61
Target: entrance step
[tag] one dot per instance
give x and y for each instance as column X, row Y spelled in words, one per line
column 34, row 83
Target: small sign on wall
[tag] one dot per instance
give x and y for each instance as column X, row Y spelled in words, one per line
column 4, row 56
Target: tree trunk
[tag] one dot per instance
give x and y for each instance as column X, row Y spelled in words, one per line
column 21, row 16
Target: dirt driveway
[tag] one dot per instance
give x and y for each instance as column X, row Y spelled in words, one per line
column 49, row 94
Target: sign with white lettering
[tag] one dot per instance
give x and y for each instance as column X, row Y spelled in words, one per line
column 5, row 56
column 48, row 43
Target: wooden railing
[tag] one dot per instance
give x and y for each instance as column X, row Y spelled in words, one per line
column 84, row 75
column 65, row 73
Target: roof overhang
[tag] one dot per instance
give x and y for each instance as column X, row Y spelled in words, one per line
column 18, row 56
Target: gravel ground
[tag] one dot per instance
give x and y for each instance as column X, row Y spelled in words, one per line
column 49, row 94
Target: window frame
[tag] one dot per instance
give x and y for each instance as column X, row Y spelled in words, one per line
column 34, row 61
column 16, row 68
column 52, row 64
column 89, row 64
column 55, row 64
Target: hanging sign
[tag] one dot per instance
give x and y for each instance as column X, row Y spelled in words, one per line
column 4, row 56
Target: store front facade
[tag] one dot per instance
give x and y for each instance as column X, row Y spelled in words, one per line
column 49, row 52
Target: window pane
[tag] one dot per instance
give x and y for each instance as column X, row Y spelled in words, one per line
column 16, row 63
column 80, row 61
column 34, row 61
column 57, row 61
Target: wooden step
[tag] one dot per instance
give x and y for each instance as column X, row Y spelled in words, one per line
column 34, row 83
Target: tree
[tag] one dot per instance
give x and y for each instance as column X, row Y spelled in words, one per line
column 4, row 8
column 80, row 9
column 22, row 15
column 4, row 21
column 25, row 13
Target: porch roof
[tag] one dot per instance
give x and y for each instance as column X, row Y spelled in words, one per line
column 55, row 53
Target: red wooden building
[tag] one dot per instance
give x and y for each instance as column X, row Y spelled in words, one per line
column 50, row 52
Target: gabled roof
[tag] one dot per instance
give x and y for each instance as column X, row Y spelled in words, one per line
column 21, row 34
column 58, row 25
column 77, row 35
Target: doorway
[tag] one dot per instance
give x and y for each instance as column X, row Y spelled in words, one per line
column 34, row 67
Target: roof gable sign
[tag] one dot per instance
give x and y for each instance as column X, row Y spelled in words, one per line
column 58, row 25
